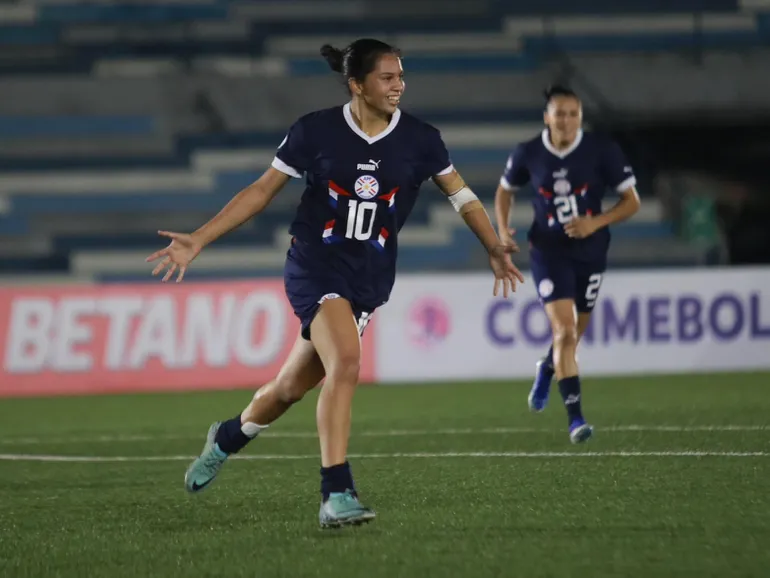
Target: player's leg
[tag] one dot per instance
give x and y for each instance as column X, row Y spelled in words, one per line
column 562, row 313
column 587, row 284
column 300, row 373
column 588, row 280
column 545, row 371
column 334, row 332
column 584, row 318
column 554, row 279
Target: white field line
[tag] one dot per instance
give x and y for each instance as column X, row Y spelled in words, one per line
column 387, row 456
column 56, row 440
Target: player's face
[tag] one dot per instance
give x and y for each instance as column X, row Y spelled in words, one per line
column 564, row 117
column 383, row 87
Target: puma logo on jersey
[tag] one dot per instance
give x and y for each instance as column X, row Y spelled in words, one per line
column 370, row 166
column 560, row 174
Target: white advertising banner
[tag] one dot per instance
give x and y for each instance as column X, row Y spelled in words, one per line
column 445, row 327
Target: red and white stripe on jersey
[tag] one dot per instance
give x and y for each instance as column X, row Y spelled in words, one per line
column 391, row 198
column 334, row 193
column 381, row 239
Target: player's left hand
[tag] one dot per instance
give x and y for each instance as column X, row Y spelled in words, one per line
column 581, row 227
column 505, row 271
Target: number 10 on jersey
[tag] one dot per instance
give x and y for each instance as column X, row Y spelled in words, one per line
column 360, row 219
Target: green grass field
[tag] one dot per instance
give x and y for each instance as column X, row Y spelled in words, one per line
column 465, row 481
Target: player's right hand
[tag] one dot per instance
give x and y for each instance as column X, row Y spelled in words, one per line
column 178, row 255
column 506, row 238
column 506, row 273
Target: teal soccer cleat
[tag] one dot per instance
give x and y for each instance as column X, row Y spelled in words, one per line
column 344, row 509
column 205, row 467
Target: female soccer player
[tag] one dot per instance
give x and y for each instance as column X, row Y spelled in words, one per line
column 363, row 164
column 569, row 236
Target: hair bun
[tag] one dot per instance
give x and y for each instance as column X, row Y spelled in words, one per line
column 333, row 56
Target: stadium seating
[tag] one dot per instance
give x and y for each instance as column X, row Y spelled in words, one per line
column 118, row 118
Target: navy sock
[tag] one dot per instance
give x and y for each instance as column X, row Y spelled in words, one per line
column 548, row 360
column 336, row 479
column 570, row 392
column 230, row 438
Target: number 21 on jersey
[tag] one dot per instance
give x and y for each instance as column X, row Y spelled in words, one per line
column 566, row 208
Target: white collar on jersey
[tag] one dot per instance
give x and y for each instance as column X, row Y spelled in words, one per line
column 370, row 139
column 556, row 152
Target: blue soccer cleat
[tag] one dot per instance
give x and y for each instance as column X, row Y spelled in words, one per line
column 538, row 395
column 343, row 509
column 205, row 467
column 580, row 431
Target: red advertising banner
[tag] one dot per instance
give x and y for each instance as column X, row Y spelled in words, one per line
column 149, row 337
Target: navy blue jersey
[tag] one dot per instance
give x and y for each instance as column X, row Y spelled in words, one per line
column 359, row 189
column 568, row 183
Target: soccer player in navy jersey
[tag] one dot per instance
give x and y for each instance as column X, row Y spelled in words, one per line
column 569, row 237
column 363, row 165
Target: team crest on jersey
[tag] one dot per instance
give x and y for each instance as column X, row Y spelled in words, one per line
column 367, row 187
column 562, row 187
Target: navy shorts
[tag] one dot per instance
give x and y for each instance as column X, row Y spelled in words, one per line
column 309, row 282
column 559, row 277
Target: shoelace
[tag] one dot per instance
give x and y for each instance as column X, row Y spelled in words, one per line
column 349, row 500
column 211, row 462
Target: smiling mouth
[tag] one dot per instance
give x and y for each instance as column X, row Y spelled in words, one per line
column 394, row 99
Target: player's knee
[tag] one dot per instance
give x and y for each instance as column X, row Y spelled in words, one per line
column 344, row 368
column 565, row 336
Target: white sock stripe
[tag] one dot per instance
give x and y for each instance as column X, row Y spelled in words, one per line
column 251, row 429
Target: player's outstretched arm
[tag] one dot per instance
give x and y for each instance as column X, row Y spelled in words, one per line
column 475, row 216
column 246, row 204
